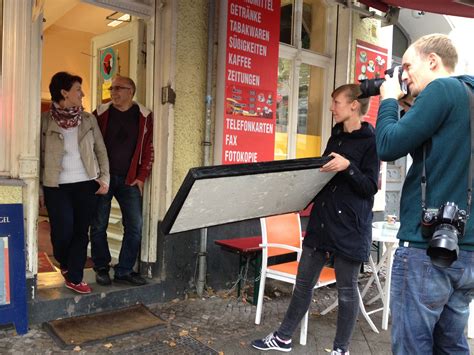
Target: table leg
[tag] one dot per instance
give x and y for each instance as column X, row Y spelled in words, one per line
column 239, row 283
column 256, row 283
column 388, row 280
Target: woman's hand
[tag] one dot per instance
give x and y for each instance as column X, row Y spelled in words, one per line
column 338, row 163
column 103, row 188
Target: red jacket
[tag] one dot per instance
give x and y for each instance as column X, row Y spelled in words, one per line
column 143, row 157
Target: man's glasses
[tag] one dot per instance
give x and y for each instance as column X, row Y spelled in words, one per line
column 118, row 88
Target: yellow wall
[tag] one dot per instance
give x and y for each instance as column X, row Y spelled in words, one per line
column 366, row 30
column 10, row 194
column 66, row 50
column 191, row 61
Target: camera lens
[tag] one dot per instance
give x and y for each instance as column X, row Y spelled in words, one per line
column 443, row 247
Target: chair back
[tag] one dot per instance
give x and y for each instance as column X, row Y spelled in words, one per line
column 281, row 229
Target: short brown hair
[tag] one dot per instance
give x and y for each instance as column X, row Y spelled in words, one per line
column 439, row 44
column 353, row 92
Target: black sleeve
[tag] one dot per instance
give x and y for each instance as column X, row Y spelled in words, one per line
column 363, row 179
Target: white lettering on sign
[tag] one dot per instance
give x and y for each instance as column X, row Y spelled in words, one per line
column 247, row 46
column 4, row 219
column 249, row 126
column 233, row 156
column 246, row 13
column 230, row 139
column 240, row 60
column 243, row 78
column 264, row 4
column 249, row 30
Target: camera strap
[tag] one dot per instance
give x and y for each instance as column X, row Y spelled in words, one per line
column 470, row 95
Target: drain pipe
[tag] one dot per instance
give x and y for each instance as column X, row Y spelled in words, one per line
column 201, row 282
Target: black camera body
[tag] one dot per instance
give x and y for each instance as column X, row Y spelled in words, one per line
column 371, row 87
column 443, row 227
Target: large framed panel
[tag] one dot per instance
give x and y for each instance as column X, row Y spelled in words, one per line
column 223, row 194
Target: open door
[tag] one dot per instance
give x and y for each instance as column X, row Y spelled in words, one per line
column 118, row 52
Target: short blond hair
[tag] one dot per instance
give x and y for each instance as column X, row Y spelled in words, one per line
column 439, row 44
column 353, row 93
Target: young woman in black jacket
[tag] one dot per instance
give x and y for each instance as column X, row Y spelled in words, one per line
column 340, row 222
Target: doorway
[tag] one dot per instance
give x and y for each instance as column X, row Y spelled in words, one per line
column 95, row 43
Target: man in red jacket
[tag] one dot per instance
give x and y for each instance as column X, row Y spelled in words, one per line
column 127, row 128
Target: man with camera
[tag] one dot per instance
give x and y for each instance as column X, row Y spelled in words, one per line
column 433, row 268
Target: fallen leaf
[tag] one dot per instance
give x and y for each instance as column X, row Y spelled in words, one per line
column 176, row 300
column 243, row 343
column 221, row 353
column 183, row 333
column 172, row 344
column 195, row 329
column 327, row 350
column 77, row 348
column 108, row 345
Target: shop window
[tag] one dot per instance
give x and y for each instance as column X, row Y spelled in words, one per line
column 302, row 78
column 310, row 94
column 400, row 42
column 281, row 134
column 286, row 22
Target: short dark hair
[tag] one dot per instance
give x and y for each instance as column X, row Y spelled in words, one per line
column 62, row 81
column 353, row 93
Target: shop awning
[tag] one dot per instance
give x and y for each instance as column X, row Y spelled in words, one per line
column 463, row 8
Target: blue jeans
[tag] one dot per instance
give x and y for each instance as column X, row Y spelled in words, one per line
column 347, row 271
column 70, row 209
column 130, row 202
column 430, row 305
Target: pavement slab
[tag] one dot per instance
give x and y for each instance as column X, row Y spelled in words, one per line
column 217, row 324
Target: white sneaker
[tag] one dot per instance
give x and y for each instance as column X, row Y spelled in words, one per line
column 339, row 352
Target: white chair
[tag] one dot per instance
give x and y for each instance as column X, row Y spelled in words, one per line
column 282, row 235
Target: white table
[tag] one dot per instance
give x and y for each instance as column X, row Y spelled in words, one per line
column 384, row 233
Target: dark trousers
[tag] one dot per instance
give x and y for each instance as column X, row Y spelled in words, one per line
column 347, row 271
column 70, row 210
column 130, row 202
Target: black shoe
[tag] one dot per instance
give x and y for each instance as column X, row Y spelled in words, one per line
column 102, row 277
column 272, row 342
column 133, row 278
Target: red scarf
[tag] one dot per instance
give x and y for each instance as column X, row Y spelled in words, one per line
column 66, row 117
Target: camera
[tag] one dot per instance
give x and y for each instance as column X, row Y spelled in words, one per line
column 371, row 87
column 444, row 227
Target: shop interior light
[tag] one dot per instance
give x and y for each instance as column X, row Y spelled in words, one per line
column 118, row 21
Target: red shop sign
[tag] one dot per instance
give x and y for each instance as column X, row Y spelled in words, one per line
column 251, row 76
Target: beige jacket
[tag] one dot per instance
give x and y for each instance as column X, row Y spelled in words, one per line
column 91, row 147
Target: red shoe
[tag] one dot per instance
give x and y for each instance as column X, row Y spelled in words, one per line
column 79, row 288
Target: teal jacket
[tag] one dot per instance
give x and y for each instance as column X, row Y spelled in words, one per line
column 441, row 118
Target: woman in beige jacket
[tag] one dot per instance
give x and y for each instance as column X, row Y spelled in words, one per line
column 74, row 170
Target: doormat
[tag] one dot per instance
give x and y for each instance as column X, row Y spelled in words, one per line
column 92, row 328
column 44, row 263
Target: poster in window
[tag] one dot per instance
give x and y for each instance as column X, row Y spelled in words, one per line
column 370, row 63
column 251, row 76
column 4, row 272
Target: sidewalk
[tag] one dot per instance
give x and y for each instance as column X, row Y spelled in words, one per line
column 221, row 323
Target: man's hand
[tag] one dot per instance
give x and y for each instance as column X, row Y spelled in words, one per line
column 103, row 187
column 339, row 163
column 140, row 184
column 390, row 88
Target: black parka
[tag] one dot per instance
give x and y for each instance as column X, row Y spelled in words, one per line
column 341, row 219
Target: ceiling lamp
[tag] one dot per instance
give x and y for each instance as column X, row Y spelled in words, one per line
column 117, row 21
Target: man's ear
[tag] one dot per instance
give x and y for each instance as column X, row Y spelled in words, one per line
column 434, row 61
